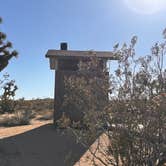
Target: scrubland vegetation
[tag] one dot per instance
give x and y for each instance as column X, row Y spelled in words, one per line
column 17, row 112
column 26, row 111
column 134, row 117
column 127, row 106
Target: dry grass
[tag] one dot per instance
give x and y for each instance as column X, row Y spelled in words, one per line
column 16, row 119
column 28, row 111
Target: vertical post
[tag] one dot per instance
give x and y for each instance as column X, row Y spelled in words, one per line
column 59, row 94
column 55, row 97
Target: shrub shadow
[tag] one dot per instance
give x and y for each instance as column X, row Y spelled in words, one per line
column 43, row 146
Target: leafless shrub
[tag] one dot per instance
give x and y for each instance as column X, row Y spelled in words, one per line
column 135, row 117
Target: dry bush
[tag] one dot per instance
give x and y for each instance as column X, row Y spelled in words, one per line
column 135, row 117
column 45, row 115
column 36, row 105
column 86, row 91
column 64, row 122
column 137, row 112
column 85, row 99
column 19, row 118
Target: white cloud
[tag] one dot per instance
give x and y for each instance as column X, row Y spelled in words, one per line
column 146, row 6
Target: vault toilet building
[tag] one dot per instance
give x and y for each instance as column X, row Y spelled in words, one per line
column 65, row 63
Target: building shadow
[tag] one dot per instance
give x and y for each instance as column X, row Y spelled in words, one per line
column 43, row 146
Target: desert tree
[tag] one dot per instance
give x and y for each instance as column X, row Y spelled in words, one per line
column 7, row 87
column 5, row 50
column 8, row 90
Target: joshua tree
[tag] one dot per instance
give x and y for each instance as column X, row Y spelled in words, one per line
column 5, row 50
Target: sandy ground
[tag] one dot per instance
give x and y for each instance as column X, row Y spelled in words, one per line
column 39, row 144
column 13, row 131
column 88, row 159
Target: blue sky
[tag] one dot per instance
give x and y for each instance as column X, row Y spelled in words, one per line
column 34, row 26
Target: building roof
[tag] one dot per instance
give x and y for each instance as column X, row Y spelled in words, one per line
column 79, row 54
